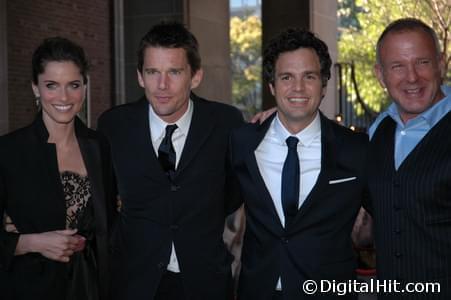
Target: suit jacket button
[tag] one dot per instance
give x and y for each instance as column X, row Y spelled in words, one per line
column 398, row 255
column 174, row 187
column 174, row 227
column 284, row 240
column 161, row 265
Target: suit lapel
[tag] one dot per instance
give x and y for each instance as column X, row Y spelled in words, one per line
column 329, row 152
column 49, row 163
column 202, row 124
column 141, row 139
column 251, row 163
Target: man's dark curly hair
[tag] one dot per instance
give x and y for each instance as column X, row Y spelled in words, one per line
column 291, row 40
column 171, row 35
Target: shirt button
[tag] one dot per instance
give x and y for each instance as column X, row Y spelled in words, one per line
column 403, row 132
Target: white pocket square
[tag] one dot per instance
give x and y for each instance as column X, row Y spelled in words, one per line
column 335, row 181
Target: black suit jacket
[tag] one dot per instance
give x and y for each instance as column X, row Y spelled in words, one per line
column 31, row 194
column 317, row 244
column 188, row 211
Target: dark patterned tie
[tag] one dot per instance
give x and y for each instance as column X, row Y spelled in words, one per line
column 290, row 181
column 166, row 152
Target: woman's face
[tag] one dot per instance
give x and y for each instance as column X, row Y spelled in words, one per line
column 61, row 90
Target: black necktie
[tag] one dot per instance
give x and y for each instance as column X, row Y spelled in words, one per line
column 166, row 152
column 290, row 181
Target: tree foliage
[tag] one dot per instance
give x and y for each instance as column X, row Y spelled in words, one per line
column 364, row 20
column 245, row 40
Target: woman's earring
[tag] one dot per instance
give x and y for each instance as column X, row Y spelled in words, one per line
column 38, row 101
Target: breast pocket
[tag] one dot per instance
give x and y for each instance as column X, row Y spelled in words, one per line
column 342, row 180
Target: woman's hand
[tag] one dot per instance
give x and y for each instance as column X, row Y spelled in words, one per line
column 81, row 243
column 8, row 224
column 56, row 245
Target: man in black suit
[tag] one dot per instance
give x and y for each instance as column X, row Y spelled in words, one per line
column 169, row 152
column 302, row 179
column 409, row 170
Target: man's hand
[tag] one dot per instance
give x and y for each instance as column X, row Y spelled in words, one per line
column 263, row 115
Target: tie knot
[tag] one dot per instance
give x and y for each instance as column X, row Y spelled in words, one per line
column 292, row 142
column 170, row 129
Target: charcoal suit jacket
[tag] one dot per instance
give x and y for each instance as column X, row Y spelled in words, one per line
column 188, row 211
column 316, row 245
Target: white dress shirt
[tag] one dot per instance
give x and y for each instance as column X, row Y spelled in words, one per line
column 157, row 133
column 271, row 154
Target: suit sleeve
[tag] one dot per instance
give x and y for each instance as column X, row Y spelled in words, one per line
column 8, row 241
column 233, row 194
column 366, row 197
column 366, row 202
column 112, row 195
column 109, row 181
column 101, row 126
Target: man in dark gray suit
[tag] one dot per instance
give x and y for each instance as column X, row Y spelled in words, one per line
column 302, row 180
column 410, row 165
column 169, row 152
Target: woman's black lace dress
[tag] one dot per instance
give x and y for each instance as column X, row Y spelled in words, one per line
column 82, row 267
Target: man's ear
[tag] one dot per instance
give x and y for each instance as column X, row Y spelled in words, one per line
column 271, row 88
column 197, row 78
column 140, row 78
column 379, row 74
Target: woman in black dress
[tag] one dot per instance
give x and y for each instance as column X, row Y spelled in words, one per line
column 55, row 180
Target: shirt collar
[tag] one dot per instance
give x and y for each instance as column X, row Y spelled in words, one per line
column 431, row 116
column 306, row 136
column 158, row 126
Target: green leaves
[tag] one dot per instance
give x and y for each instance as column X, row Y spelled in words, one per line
column 362, row 22
column 245, row 44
